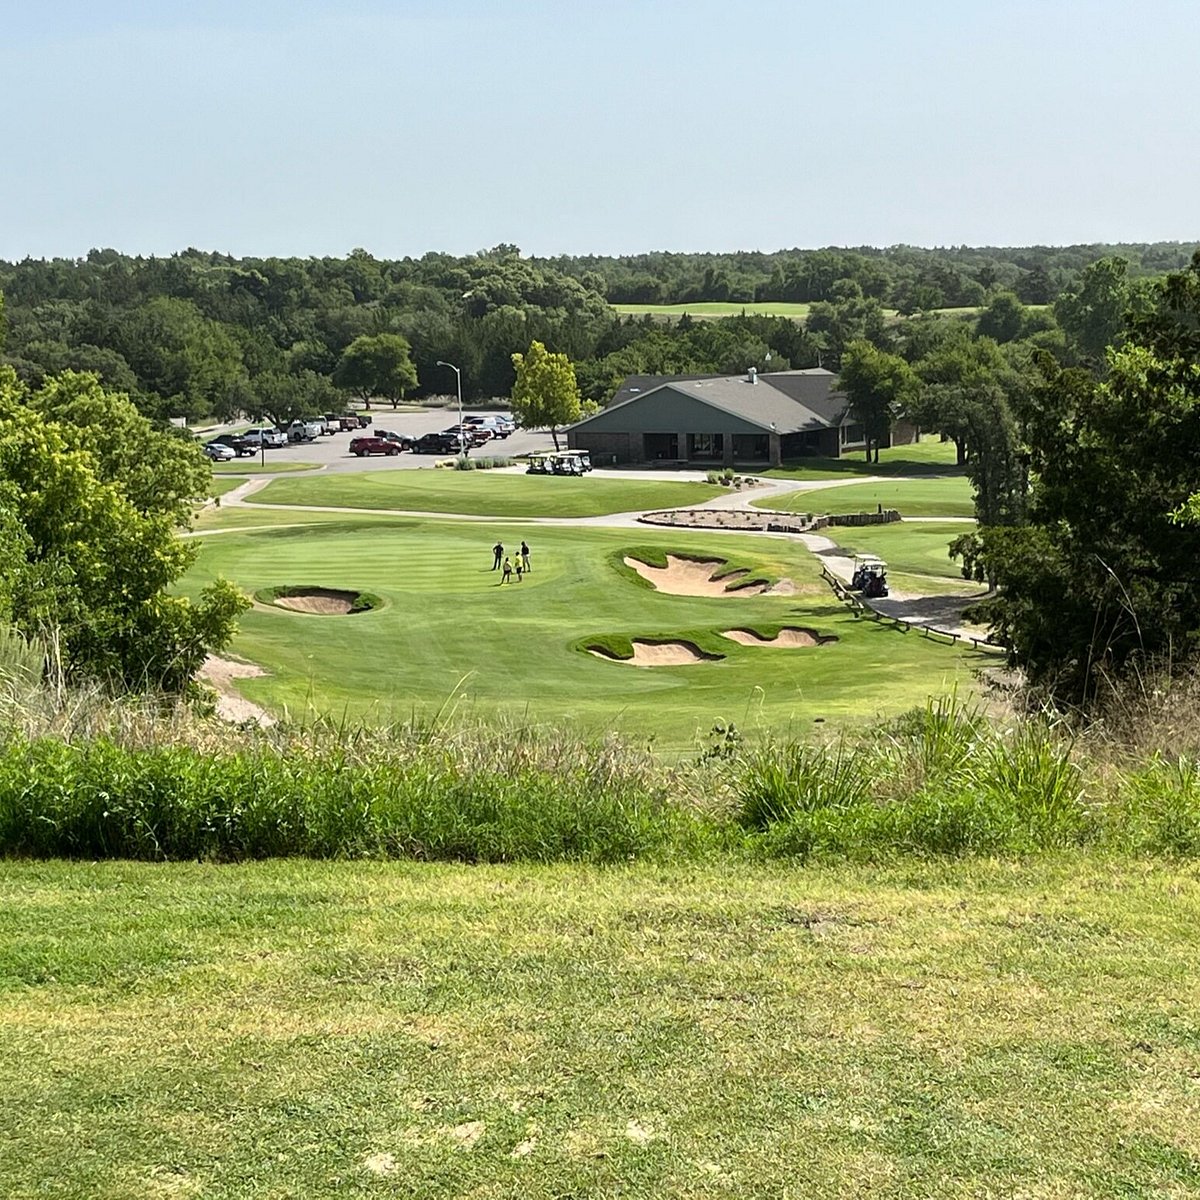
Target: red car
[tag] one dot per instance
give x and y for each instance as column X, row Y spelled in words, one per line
column 362, row 446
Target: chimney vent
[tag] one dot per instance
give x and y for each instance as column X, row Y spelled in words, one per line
column 752, row 375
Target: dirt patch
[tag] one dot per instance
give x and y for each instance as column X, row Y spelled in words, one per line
column 319, row 600
column 231, row 704
column 694, row 577
column 658, row 654
column 785, row 639
column 783, row 587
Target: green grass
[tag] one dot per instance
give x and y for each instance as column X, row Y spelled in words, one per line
column 915, row 549
column 930, row 456
column 485, row 493
column 219, row 486
column 448, row 629
column 291, row 1029
column 716, row 308
column 949, row 496
column 256, row 467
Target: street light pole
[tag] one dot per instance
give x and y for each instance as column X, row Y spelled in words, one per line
column 458, row 383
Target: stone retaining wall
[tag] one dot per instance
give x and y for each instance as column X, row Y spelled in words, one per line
column 762, row 520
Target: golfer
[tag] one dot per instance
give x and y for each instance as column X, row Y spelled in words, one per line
column 520, row 566
column 498, row 551
column 525, row 555
column 507, row 576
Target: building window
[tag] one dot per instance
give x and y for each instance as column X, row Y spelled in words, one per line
column 706, row 445
column 853, row 435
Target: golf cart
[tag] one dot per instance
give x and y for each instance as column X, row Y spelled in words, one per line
column 870, row 576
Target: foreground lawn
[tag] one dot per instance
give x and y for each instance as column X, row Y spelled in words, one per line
column 448, row 628
column 949, row 496
column 485, row 493
column 295, row 1029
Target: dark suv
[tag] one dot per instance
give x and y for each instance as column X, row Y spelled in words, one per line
column 238, row 444
column 439, row 443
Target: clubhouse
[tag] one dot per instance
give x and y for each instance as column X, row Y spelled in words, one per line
column 720, row 420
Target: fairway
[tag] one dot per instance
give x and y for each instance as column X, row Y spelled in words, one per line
column 311, row 1030
column 712, row 309
column 447, row 628
column 911, row 548
column 950, row 496
column 485, row 493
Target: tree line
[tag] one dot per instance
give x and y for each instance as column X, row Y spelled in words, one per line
column 204, row 335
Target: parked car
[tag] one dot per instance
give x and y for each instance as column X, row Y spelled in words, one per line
column 439, row 443
column 497, row 427
column 305, row 431
column 473, row 435
column 219, row 452
column 271, row 438
column 236, row 442
column 364, row 446
column 405, row 443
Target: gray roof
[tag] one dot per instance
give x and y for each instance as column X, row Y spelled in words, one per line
column 814, row 389
column 786, row 401
column 754, row 402
column 636, row 385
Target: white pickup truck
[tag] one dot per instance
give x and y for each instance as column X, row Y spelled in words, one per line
column 305, row 431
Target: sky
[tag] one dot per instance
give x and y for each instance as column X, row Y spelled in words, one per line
column 308, row 127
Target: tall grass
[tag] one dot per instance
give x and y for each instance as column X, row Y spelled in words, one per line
column 941, row 780
column 100, row 799
column 86, row 777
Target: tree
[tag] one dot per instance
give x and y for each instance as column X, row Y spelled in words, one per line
column 377, row 365
column 1093, row 312
column 91, row 496
column 1104, row 576
column 879, row 387
column 546, row 393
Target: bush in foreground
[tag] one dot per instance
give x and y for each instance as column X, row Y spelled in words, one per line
column 939, row 782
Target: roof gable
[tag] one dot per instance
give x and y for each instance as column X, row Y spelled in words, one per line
column 782, row 402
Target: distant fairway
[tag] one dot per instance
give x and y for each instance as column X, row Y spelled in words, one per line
column 485, row 493
column 712, row 309
column 448, row 628
column 949, row 496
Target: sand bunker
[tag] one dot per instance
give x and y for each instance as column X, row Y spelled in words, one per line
column 318, row 600
column 231, row 704
column 692, row 577
column 785, row 639
column 657, row 654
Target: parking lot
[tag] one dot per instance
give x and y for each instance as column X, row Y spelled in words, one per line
column 333, row 451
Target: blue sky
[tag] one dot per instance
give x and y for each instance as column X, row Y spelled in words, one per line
column 310, row 127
